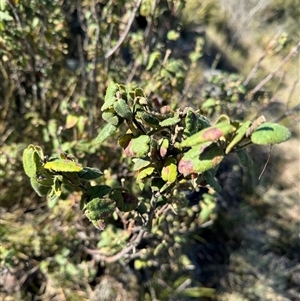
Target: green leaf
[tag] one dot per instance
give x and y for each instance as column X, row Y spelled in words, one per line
column 29, row 163
column 159, row 248
column 208, row 103
column 90, row 173
column 105, row 133
column 52, row 198
column 70, row 179
column 71, row 269
column 5, row 16
column 116, row 195
column 98, row 191
column 270, row 133
column 148, row 118
column 35, row 22
column 208, row 206
column 52, row 127
column 145, row 173
column 240, row 134
column 39, row 152
column 200, row 158
column 71, row 121
column 142, row 208
column 163, row 147
column 174, row 66
column 190, row 123
column 130, row 202
column 157, row 184
column 222, row 119
column 82, row 121
column 210, row 179
column 169, row 172
column 124, row 140
column 179, row 281
column 122, row 109
column 154, row 56
column 195, row 56
column 166, row 74
column 98, row 210
column 57, row 186
column 110, row 96
column 39, row 189
column 138, row 92
column 139, row 264
column 212, row 133
column 173, row 35
column 44, row 178
column 195, row 123
column 170, row 121
column 140, row 163
column 3, row 4
column 60, row 165
column 110, row 117
column 244, row 158
column 202, row 123
column 138, row 147
column 60, row 259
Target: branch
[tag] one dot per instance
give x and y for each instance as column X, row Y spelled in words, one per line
column 272, row 74
column 257, row 65
column 29, row 50
column 148, row 31
column 254, row 69
column 94, row 86
column 123, row 36
column 109, row 259
column 295, row 109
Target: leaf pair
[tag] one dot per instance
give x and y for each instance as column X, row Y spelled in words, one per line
column 115, row 111
column 40, row 179
column 47, row 177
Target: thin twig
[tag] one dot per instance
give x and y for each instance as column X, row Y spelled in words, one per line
column 152, row 211
column 265, row 166
column 167, row 54
column 272, row 74
column 132, row 72
column 293, row 110
column 125, row 33
column 148, row 31
column 109, row 259
column 292, row 90
column 255, row 68
column 94, row 86
column 82, row 64
column 30, row 51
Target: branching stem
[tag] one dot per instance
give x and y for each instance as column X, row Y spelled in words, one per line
column 125, row 33
column 272, row 74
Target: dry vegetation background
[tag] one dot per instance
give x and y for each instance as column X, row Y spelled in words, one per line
column 253, row 250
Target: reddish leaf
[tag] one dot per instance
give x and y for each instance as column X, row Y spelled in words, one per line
column 200, row 158
column 138, row 147
column 212, row 133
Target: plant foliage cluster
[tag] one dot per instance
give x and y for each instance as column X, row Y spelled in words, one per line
column 96, row 109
